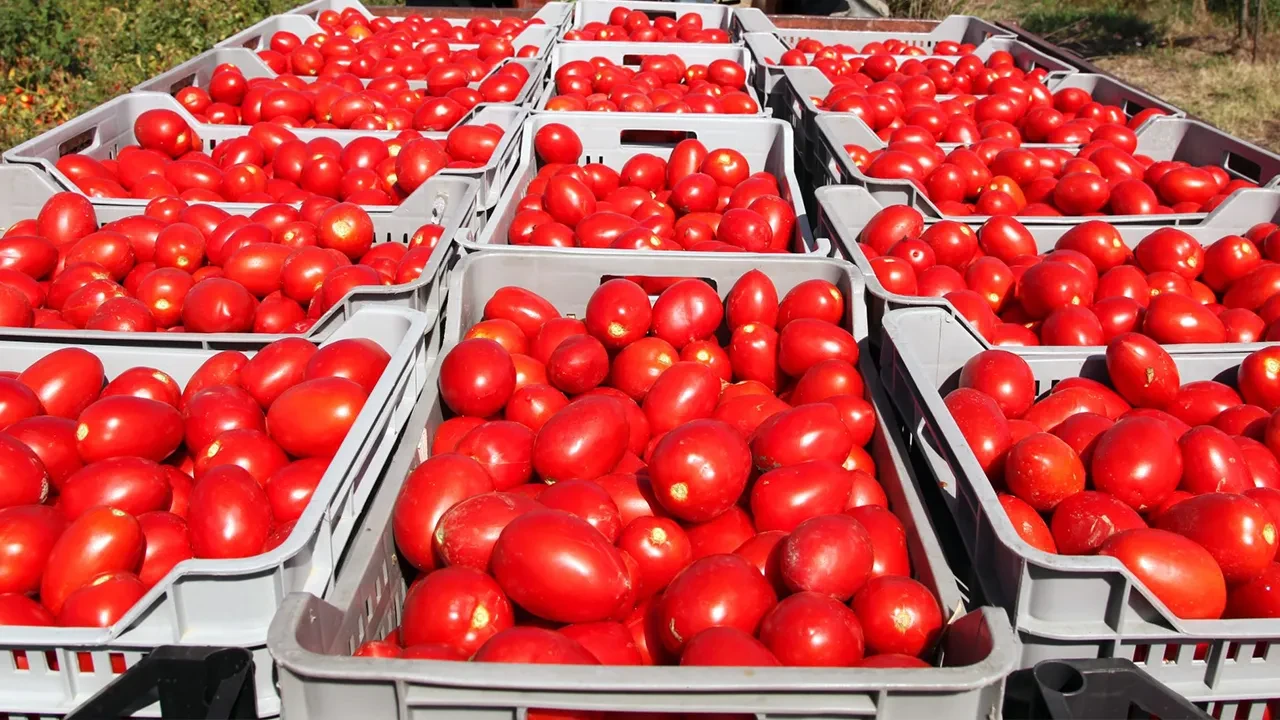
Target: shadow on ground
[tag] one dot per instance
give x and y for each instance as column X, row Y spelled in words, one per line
column 1093, row 32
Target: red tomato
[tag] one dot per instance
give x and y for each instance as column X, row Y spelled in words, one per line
column 431, row 489
column 726, row 646
column 26, row 481
column 533, row 645
column 1177, row 571
column 784, row 497
column 102, row 601
column 66, row 381
column 660, row 547
column 983, row 425
column 459, row 607
column 311, row 419
column 1028, row 524
column 813, row 630
column 1004, row 377
column 560, row 568
column 229, row 514
column 699, row 469
column 220, row 408
column 1084, row 521
column 167, row 544
column 583, row 441
column 124, row 425
column 898, row 615
column 715, row 591
column 1138, row 461
column 829, row 554
column 27, row 536
column 103, row 540
column 1141, row 371
column 477, row 377
column 1237, row 532
column 132, row 484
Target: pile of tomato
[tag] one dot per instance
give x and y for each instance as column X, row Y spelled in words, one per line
column 664, row 83
column 352, row 24
column 1178, row 481
column 623, row 489
column 270, row 164
column 903, row 107
column 892, row 46
column 344, row 101
column 186, row 267
column 997, row 177
column 636, row 26
column 1091, row 287
column 917, row 79
column 111, row 482
column 696, row 199
column 409, row 48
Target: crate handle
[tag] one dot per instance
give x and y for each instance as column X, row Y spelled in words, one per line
column 655, row 138
column 180, row 83
column 78, row 142
column 188, row 681
column 1243, row 166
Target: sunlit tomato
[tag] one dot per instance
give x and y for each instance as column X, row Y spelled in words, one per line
column 583, row 441
column 898, row 616
column 1174, row 569
column 715, row 591
column 1003, row 376
column 27, row 536
column 1237, row 532
column 699, row 469
column 103, row 540
column 124, row 425
column 66, row 381
column 312, row 418
column 477, row 377
column 229, row 514
column 167, row 544
column 102, row 601
column 460, row 607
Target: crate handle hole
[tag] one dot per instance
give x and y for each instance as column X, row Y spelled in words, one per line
column 181, row 83
column 1244, row 167
column 77, row 143
column 657, row 283
column 655, row 138
column 1059, row 677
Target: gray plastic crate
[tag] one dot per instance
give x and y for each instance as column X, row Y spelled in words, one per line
column 751, row 20
column 312, row 639
column 198, row 70
column 843, row 211
column 103, row 131
column 225, row 602
column 1064, row 606
column 769, row 47
column 448, row 202
column 607, row 138
column 713, row 15
column 1160, row 138
column 632, row 54
column 553, row 14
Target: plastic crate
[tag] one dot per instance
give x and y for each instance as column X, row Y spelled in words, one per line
column 449, row 202
column 713, row 15
column 750, row 20
column 554, row 14
column 843, row 211
column 198, row 70
column 774, row 41
column 1160, row 138
column 224, row 602
column 632, row 54
column 312, row 639
column 614, row 138
column 1064, row 606
column 1067, row 689
column 103, row 131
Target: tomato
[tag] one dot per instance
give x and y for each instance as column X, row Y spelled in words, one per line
column 726, row 646
column 220, row 408
column 1212, row 463
column 311, row 419
column 1042, row 470
column 1258, row 378
column 124, row 425
column 1177, row 571
column 609, row 642
column 813, row 630
column 1238, row 533
column 582, row 441
column 898, row 615
column 686, row 391
column 588, row 501
column 1084, row 521
column 1141, row 371
column 218, row 305
column 618, row 313
column 983, row 425
column 804, row 342
column 661, row 549
column 752, row 300
column 66, row 217
column 809, row 432
column 557, row 143
column 145, row 382
column 229, row 514
column 699, row 469
column 1004, row 377
column 890, row 225
column 457, row 606
column 431, row 489
column 1138, row 461
column 27, row 536
column 1257, row 598
column 1028, row 524
column 477, row 377
column 578, row 364
column 66, row 381
column 688, row 310
column 103, row 540
column 559, row 568
column 1176, row 318
column 784, row 497
column 714, row 591
column 102, row 601
column 167, row 544
column 829, row 554
column 357, row 359
column 533, row 645
column 132, row 484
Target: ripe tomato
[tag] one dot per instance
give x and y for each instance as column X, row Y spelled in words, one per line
column 715, row 591
column 1237, row 532
column 1084, row 521
column 699, row 469
column 27, row 536
column 229, row 515
column 311, row 419
column 898, row 615
column 1177, row 571
column 102, row 540
column 102, row 601
column 124, row 426
column 66, row 381
column 1004, row 377
column 583, row 441
column 560, row 568
column 132, row 484
column 457, row 606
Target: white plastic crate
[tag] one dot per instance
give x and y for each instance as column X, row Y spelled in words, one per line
column 553, row 14
column 614, row 138
column 713, row 15
column 312, row 639
column 101, row 133
column 632, row 54
column 448, row 202
column 258, row 35
column 223, row 602
column 843, row 211
column 1160, row 138
column 1065, row 606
